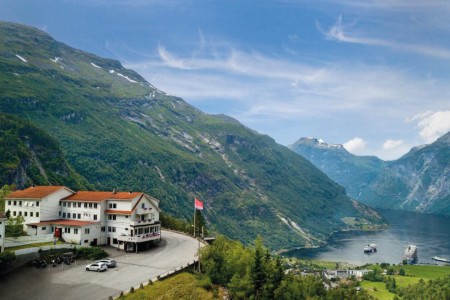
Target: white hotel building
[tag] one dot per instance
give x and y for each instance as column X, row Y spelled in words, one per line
column 126, row 220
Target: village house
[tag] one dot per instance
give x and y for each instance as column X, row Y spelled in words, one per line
column 126, row 220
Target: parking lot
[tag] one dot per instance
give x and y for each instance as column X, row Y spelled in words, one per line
column 74, row 282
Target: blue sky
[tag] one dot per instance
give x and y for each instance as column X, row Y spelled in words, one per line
column 372, row 75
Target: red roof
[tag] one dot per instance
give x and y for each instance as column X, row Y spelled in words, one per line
column 36, row 192
column 118, row 212
column 102, row 196
column 64, row 222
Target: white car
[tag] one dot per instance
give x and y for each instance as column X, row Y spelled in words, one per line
column 99, row 267
column 110, row 263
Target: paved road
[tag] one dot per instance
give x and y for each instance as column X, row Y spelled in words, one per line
column 74, row 282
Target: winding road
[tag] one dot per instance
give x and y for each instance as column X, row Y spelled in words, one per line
column 74, row 282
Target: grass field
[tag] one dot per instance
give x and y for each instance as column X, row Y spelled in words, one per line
column 31, row 246
column 377, row 289
column 180, row 286
column 413, row 274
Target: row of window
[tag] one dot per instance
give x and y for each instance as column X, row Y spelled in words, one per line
column 78, row 204
column 78, row 216
column 75, row 230
column 23, row 203
column 25, row 213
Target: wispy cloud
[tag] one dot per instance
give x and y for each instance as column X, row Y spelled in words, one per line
column 391, row 144
column 355, row 145
column 434, row 125
column 339, row 32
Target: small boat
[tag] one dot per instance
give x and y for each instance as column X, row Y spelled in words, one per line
column 437, row 258
column 370, row 248
column 410, row 254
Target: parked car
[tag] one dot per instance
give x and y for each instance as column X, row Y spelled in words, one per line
column 97, row 266
column 109, row 262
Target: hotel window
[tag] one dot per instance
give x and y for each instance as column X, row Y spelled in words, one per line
column 37, row 203
column 37, row 214
column 112, row 205
column 58, row 214
column 86, row 230
column 25, row 214
column 79, row 216
column 75, row 230
column 146, row 230
column 31, row 213
column 74, row 216
column 15, row 202
column 114, row 229
column 79, row 204
column 60, row 203
column 9, row 202
column 64, row 204
column 64, row 215
column 67, row 230
column 114, row 241
column 20, row 213
column 143, row 205
column 44, row 228
column 103, row 228
column 85, row 205
column 95, row 205
column 95, row 217
column 14, row 213
column 20, row 203
column 90, row 205
column 68, row 204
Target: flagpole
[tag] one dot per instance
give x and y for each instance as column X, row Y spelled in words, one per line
column 194, row 216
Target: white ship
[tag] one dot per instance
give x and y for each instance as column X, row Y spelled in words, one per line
column 410, row 254
column 370, row 248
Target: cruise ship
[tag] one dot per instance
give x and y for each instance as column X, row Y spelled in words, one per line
column 370, row 248
column 410, row 254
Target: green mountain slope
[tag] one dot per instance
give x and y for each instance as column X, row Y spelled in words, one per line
column 418, row 181
column 351, row 171
column 29, row 155
column 119, row 131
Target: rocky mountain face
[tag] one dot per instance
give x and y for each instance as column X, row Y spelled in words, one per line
column 119, row 131
column 351, row 171
column 29, row 155
column 418, row 181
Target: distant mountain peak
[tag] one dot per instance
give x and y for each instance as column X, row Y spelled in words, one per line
column 318, row 142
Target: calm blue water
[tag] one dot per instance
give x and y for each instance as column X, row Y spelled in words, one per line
column 430, row 233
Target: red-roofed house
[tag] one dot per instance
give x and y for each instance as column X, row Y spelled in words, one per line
column 36, row 203
column 127, row 220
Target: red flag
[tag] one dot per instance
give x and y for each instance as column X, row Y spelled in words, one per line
column 198, row 204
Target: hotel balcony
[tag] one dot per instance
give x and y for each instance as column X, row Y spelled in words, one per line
column 139, row 238
column 143, row 222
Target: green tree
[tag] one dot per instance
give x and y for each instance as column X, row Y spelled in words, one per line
column 4, row 191
column 14, row 226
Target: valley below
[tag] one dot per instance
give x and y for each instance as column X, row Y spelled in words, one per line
column 427, row 231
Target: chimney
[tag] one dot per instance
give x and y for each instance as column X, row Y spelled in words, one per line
column 32, row 185
column 131, row 191
column 114, row 191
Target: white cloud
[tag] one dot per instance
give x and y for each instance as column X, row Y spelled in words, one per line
column 391, row 144
column 338, row 32
column 434, row 125
column 355, row 145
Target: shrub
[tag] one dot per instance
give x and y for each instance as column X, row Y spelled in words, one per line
column 7, row 258
column 92, row 253
column 132, row 290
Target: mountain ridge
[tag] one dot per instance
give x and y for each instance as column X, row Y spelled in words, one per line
column 119, row 131
column 417, row 181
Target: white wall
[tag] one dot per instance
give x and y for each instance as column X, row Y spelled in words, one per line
column 50, row 205
column 2, row 234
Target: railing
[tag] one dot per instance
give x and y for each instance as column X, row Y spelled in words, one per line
column 141, row 222
column 139, row 238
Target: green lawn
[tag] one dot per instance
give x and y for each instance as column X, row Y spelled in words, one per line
column 427, row 272
column 377, row 289
column 31, row 246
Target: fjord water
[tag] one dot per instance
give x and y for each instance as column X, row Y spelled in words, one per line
column 431, row 234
